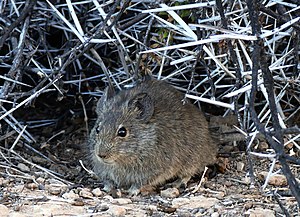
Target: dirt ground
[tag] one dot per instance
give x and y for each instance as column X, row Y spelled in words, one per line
column 31, row 185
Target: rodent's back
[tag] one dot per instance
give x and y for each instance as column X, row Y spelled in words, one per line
column 183, row 128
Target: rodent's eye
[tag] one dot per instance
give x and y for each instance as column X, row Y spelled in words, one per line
column 122, row 132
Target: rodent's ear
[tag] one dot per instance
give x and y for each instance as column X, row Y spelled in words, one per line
column 144, row 103
column 108, row 93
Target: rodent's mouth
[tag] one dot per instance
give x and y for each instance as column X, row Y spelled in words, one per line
column 108, row 161
column 105, row 160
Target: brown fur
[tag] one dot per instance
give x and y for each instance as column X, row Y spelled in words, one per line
column 166, row 138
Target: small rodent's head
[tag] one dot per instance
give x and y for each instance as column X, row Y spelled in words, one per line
column 123, row 132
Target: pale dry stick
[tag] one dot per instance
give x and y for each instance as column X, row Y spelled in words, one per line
column 11, row 167
column 219, row 79
column 205, row 48
column 292, row 140
column 163, row 58
column 180, row 21
column 104, row 68
column 263, row 155
column 17, row 126
column 24, row 176
column 17, row 58
column 49, row 172
column 245, row 53
column 218, row 18
column 28, row 99
column 18, row 138
column 41, row 73
column 270, row 173
column 279, row 61
column 87, row 170
column 180, row 7
column 213, row 28
column 85, row 114
column 244, row 89
column 239, row 60
column 14, row 81
column 213, row 102
column 173, row 27
column 124, row 59
column 55, row 135
column 74, row 17
column 278, row 107
column 201, row 181
column 183, row 60
column 62, row 17
column 41, row 123
column 104, row 15
column 276, row 30
column 15, row 7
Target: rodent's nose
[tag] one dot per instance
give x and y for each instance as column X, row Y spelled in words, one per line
column 103, row 155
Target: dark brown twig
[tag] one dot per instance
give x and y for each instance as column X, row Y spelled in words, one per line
column 28, row 8
column 258, row 60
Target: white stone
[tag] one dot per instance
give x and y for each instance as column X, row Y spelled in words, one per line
column 200, row 202
column 178, row 202
column 70, row 195
column 276, row 180
column 116, row 210
column 170, row 193
column 121, row 201
column 260, row 212
column 23, row 167
column 86, row 193
column 4, row 210
column 97, row 192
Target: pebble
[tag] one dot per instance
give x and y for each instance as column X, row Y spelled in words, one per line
column 97, row 192
column 178, row 202
column 170, row 193
column 215, row 214
column 32, row 186
column 40, row 180
column 54, row 190
column 108, row 198
column 228, row 183
column 86, row 193
column 23, row 167
column 240, row 166
column 16, row 214
column 70, row 195
column 263, row 146
column 4, row 210
column 78, row 202
column 184, row 213
column 200, row 202
column 276, row 180
column 116, row 210
column 259, row 212
column 121, row 201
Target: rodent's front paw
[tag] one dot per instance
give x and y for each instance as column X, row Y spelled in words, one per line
column 108, row 186
column 180, row 182
column 133, row 191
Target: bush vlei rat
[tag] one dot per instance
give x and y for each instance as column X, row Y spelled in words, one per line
column 146, row 135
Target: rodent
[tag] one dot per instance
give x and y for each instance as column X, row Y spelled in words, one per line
column 146, row 135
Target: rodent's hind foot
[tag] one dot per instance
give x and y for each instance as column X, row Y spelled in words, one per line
column 181, row 182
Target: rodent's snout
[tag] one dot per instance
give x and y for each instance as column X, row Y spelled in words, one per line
column 103, row 155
